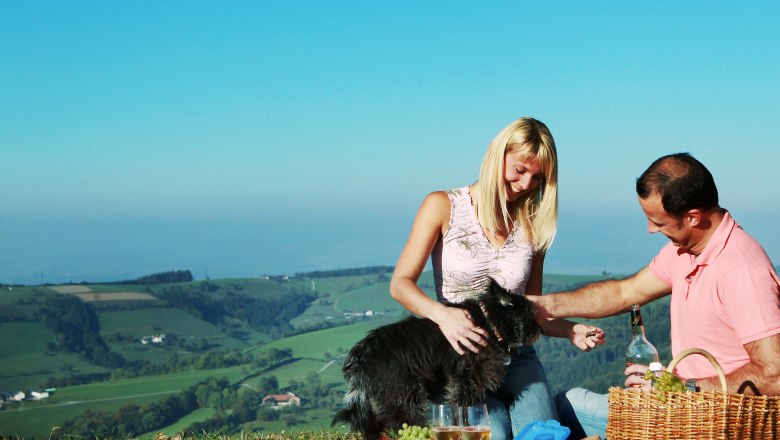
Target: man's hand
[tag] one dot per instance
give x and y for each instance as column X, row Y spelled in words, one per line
column 635, row 377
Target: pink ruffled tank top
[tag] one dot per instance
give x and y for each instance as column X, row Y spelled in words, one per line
column 464, row 260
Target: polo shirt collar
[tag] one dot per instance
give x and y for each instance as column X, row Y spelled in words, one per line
column 717, row 241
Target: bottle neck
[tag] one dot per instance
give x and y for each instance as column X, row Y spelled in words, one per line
column 637, row 328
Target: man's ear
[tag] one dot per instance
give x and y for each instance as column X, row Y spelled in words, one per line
column 694, row 217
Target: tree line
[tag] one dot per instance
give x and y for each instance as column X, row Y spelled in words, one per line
column 271, row 316
column 77, row 329
column 356, row 271
column 168, row 277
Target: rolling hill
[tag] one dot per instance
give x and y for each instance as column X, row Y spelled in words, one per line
column 334, row 318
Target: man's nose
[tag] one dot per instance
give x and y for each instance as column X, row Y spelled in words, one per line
column 652, row 228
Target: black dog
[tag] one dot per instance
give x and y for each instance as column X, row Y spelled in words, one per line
column 394, row 372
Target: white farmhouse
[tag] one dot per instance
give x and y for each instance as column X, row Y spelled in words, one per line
column 39, row 394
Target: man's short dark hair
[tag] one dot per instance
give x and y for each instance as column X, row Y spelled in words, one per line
column 683, row 183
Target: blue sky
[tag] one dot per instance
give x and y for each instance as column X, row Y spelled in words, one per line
column 243, row 138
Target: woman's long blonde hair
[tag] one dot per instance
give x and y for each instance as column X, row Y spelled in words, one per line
column 537, row 211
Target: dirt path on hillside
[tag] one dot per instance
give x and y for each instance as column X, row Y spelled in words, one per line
column 105, row 399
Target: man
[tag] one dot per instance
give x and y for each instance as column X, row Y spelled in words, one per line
column 725, row 292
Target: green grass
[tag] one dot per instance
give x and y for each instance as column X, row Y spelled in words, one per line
column 317, row 420
column 142, row 385
column 199, row 415
column 9, row 294
column 253, row 287
column 23, row 350
column 354, row 294
column 147, row 322
column 36, row 419
column 297, row 370
column 375, row 297
column 25, row 363
column 309, row 350
column 152, row 321
column 315, row 344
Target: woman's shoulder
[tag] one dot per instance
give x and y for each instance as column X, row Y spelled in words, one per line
column 446, row 197
column 436, row 205
column 438, row 199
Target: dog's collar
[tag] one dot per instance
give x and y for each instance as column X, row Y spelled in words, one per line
column 500, row 339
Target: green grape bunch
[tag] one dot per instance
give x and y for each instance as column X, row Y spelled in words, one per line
column 414, row 432
column 667, row 382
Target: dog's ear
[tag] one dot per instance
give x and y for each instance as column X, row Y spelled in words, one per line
column 499, row 293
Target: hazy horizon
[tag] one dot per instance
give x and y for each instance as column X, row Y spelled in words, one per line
column 239, row 249
column 246, row 138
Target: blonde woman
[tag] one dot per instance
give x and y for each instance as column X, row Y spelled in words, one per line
column 499, row 227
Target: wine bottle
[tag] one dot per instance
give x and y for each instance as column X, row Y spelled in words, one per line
column 640, row 350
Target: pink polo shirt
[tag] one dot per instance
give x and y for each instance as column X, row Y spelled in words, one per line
column 726, row 297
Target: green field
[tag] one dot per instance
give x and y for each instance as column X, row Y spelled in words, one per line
column 116, row 288
column 315, row 344
column 26, row 363
column 253, row 287
column 109, row 396
column 38, row 419
column 198, row 415
column 158, row 320
column 314, row 420
column 21, row 302
column 354, row 295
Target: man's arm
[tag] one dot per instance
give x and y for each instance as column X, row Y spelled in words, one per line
column 602, row 298
column 760, row 376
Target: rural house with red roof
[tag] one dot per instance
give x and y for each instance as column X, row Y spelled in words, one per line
column 281, row 400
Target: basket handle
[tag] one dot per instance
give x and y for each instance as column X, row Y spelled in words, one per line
column 709, row 357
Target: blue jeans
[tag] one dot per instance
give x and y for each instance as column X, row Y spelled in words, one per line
column 583, row 411
column 525, row 396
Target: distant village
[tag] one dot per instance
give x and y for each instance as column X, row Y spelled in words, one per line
column 367, row 314
column 9, row 397
column 154, row 339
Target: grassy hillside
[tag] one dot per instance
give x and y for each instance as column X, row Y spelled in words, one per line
column 26, row 362
column 70, row 402
column 309, row 356
column 162, row 320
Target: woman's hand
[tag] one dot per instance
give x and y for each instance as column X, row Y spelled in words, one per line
column 457, row 327
column 586, row 337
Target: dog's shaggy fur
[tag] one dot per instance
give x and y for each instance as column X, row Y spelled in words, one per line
column 393, row 373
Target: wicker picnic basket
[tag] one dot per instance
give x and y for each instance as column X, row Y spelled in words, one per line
column 701, row 415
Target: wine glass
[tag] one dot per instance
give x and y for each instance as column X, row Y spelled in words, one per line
column 474, row 422
column 444, row 422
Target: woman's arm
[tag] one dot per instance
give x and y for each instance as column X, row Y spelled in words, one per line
column 429, row 226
